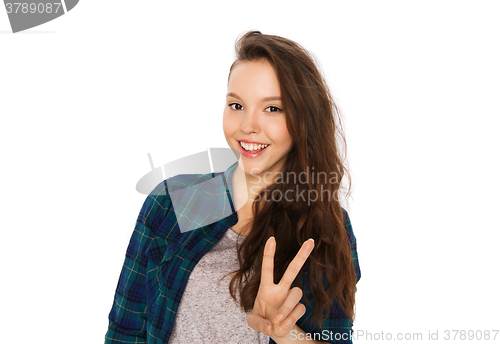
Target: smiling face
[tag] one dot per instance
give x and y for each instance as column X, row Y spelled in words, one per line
column 253, row 115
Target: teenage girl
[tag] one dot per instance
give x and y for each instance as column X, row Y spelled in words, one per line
column 280, row 265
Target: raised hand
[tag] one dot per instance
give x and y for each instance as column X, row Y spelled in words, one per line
column 275, row 300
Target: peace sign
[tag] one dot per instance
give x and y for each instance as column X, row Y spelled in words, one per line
column 277, row 307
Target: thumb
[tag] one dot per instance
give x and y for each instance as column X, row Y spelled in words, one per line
column 259, row 323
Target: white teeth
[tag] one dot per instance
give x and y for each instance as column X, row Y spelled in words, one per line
column 252, row 146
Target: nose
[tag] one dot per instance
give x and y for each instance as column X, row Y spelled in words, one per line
column 250, row 122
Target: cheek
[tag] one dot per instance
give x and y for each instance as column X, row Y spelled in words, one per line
column 278, row 133
column 287, row 143
column 228, row 125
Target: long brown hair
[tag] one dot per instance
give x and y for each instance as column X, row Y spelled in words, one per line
column 313, row 121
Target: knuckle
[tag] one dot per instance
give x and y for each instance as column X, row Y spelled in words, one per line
column 265, row 328
column 249, row 320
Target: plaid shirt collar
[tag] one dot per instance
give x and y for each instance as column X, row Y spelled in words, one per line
column 203, row 206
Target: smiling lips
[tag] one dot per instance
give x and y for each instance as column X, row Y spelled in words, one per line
column 252, row 150
column 253, row 147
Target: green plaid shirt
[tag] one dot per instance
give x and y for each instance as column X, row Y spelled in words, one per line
column 161, row 256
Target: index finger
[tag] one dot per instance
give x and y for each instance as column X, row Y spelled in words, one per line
column 267, row 274
column 296, row 264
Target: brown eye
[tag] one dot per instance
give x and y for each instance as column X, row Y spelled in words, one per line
column 276, row 109
column 230, row 105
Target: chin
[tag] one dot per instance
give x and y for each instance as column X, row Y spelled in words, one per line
column 255, row 170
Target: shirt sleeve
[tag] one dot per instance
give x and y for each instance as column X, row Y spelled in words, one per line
column 336, row 327
column 128, row 315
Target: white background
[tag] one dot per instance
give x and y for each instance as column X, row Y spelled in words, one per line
column 85, row 97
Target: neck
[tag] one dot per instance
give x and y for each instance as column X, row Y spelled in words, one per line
column 246, row 187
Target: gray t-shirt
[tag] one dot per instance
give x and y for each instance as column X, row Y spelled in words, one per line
column 207, row 313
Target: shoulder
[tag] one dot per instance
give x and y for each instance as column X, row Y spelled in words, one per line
column 348, row 228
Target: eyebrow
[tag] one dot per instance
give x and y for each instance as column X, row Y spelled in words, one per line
column 267, row 99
